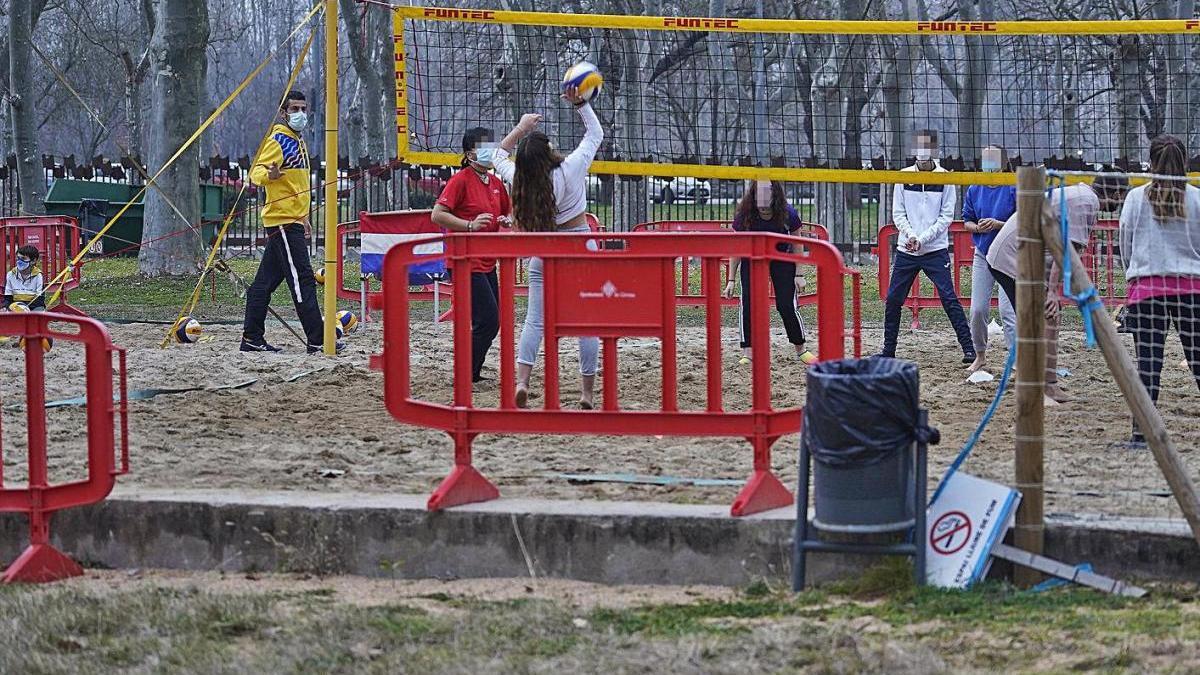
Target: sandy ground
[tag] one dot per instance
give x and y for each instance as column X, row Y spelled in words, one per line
column 329, row 430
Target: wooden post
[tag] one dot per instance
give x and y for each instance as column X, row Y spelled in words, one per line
column 1125, row 373
column 1031, row 367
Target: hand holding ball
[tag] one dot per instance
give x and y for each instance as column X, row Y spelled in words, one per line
column 582, row 80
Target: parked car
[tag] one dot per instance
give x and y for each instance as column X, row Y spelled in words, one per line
column 681, row 190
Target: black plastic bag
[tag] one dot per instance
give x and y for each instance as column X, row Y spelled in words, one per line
column 860, row 411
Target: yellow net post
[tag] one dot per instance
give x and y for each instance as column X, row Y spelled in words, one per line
column 331, row 167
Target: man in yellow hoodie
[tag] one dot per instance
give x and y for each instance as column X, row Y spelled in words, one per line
column 281, row 168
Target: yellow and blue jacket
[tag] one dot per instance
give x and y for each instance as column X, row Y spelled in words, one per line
column 287, row 198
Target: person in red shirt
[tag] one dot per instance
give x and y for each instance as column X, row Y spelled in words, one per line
column 475, row 200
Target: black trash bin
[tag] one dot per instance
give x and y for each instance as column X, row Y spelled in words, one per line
column 860, row 422
column 93, row 214
column 866, row 435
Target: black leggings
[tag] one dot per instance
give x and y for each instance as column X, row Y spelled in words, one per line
column 485, row 317
column 783, row 279
column 1007, row 284
column 1149, row 321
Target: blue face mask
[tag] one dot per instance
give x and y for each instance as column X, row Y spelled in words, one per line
column 989, row 165
column 24, row 265
column 485, row 156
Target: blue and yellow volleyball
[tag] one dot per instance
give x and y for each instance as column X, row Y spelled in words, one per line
column 319, row 275
column 348, row 320
column 18, row 307
column 187, row 330
column 586, row 78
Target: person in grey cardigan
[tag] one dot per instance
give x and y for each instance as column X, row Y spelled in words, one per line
column 1159, row 235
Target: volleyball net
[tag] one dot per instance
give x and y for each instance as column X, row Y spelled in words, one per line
column 827, row 101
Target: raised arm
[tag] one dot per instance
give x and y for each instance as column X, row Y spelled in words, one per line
column 504, row 164
column 576, row 164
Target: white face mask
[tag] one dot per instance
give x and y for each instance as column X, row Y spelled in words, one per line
column 297, row 120
column 924, row 154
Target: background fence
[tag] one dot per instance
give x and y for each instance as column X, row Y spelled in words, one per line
column 368, row 185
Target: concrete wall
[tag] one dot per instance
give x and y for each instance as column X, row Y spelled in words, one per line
column 609, row 542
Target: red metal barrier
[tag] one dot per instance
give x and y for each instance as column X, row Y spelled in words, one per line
column 39, row 499
column 350, row 231
column 609, row 286
column 1103, row 263
column 689, row 296
column 57, row 239
column 1100, row 257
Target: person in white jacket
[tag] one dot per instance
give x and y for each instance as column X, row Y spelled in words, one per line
column 922, row 213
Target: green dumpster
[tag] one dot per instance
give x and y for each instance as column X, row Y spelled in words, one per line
column 66, row 193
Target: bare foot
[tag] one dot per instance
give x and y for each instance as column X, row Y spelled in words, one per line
column 1049, row 402
column 522, row 395
column 1054, row 392
column 977, row 364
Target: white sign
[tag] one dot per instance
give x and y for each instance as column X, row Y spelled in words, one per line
column 969, row 518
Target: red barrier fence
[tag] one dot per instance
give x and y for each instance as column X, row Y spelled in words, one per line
column 56, row 238
column 610, row 286
column 689, row 295
column 39, row 499
column 1099, row 257
column 414, row 219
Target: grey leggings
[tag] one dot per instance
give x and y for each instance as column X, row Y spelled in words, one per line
column 531, row 334
column 982, row 284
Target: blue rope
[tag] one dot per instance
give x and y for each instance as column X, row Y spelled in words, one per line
column 987, row 417
column 1087, row 299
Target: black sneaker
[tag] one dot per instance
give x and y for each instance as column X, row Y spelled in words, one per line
column 264, row 346
column 969, row 357
column 317, row 349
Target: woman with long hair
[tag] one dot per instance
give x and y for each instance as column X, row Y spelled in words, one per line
column 549, row 195
column 1160, row 248
column 476, row 201
column 764, row 208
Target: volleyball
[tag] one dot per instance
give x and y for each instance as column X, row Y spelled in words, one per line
column 47, row 343
column 319, row 275
column 187, row 330
column 348, row 320
column 18, row 307
column 586, row 78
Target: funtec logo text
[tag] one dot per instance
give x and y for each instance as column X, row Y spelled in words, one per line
column 956, row 27
column 461, row 14
column 681, row 22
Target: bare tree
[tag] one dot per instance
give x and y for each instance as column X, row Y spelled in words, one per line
column 21, row 21
column 179, row 94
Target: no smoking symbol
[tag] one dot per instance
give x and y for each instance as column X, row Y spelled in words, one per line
column 950, row 532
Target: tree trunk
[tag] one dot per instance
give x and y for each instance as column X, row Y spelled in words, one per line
column 1128, row 84
column 135, row 75
column 827, row 140
column 631, row 198
column 362, row 47
column 24, row 114
column 178, row 104
column 1181, row 112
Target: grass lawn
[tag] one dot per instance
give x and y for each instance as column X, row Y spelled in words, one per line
column 148, row 626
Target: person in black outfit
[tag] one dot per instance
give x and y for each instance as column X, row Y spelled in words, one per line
column 764, row 208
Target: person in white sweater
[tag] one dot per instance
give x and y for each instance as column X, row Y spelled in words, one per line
column 549, row 195
column 922, row 213
column 1160, row 246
